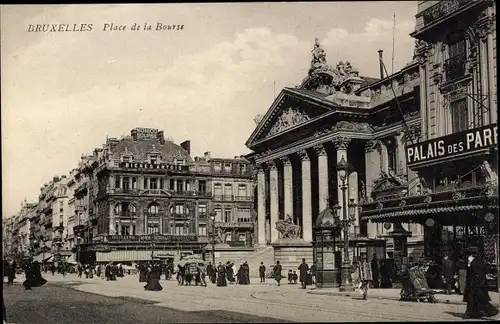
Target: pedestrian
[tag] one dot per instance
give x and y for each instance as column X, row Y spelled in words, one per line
column 53, row 269
column 211, row 272
column 11, row 272
column 201, row 275
column 277, row 272
column 221, row 275
column 447, row 274
column 229, row 272
column 180, row 275
column 462, row 275
column 476, row 293
column 313, row 273
column 365, row 276
column 303, row 269
column 290, row 277
column 246, row 272
column 153, row 283
column 262, row 272
column 295, row 277
column 4, row 311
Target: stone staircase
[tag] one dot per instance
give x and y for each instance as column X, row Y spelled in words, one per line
column 265, row 254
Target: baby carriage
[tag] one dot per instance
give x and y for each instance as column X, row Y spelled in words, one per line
column 415, row 285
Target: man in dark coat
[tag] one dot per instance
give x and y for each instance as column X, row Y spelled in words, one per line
column 447, row 273
column 211, row 272
column 476, row 294
column 246, row 273
column 303, row 268
column 375, row 271
column 277, row 272
column 262, row 272
column 11, row 272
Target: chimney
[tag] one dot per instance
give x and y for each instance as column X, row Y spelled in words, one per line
column 206, row 155
column 161, row 137
column 380, row 62
column 187, row 146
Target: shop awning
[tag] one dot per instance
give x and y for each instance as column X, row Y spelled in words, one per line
column 425, row 211
column 126, row 255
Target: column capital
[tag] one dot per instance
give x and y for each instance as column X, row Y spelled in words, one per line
column 272, row 165
column 286, row 160
column 370, row 146
column 320, row 150
column 341, row 143
column 303, row 155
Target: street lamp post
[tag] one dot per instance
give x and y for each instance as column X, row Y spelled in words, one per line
column 346, row 280
column 212, row 218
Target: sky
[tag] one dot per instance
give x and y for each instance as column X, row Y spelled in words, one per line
column 64, row 92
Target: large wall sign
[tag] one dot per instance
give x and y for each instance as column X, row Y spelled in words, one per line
column 468, row 141
column 152, row 238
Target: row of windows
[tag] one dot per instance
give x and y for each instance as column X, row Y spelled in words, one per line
column 158, row 183
column 228, row 167
column 228, row 189
column 153, row 209
column 153, row 159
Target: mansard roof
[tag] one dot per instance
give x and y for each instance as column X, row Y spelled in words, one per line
column 140, row 149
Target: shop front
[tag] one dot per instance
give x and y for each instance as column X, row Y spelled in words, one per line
column 458, row 200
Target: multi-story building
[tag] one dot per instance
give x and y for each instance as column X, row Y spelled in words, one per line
column 456, row 155
column 232, row 192
column 7, row 236
column 335, row 114
column 145, row 194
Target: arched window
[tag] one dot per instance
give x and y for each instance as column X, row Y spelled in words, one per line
column 153, row 209
column 132, row 210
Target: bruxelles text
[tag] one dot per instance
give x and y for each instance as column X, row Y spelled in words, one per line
column 47, row 28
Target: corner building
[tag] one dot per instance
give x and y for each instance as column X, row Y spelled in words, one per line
column 146, row 194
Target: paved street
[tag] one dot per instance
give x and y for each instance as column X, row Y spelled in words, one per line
column 55, row 304
column 210, row 304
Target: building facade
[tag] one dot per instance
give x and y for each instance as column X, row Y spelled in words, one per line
column 232, row 200
column 455, row 154
column 333, row 114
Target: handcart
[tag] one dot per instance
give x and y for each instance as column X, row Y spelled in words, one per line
column 415, row 287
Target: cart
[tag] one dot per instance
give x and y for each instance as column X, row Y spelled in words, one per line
column 415, row 287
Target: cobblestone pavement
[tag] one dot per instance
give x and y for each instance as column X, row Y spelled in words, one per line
column 59, row 304
column 286, row 302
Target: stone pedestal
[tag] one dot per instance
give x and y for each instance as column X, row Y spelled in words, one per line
column 290, row 252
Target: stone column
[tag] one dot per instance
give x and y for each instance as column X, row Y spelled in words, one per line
column 288, row 186
column 306, row 197
column 492, row 78
column 384, row 158
column 401, row 154
column 112, row 230
column 322, row 176
column 121, row 182
column 111, row 181
column 372, row 170
column 140, row 219
column 261, row 206
column 341, row 144
column 273, row 197
column 175, row 184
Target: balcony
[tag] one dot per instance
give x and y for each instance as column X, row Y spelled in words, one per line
column 455, row 67
column 445, row 11
column 223, row 197
column 243, row 198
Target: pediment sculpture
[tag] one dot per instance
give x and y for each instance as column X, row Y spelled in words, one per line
column 288, row 118
column 288, row 229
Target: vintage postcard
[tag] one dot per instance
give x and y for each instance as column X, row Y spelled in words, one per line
column 249, row 162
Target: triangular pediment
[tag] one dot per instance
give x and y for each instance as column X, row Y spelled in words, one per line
column 387, row 182
column 289, row 111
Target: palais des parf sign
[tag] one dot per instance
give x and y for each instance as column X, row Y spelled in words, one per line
column 468, row 141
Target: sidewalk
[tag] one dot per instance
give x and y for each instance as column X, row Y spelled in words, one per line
column 394, row 294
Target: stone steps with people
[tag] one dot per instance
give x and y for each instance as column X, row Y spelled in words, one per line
column 265, row 254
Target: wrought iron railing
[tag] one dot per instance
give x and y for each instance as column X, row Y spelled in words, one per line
column 443, row 8
column 455, row 67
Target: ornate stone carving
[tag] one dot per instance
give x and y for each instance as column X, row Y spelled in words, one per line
column 288, row 119
column 341, row 143
column 320, row 150
column 351, row 126
column 272, row 166
column 288, row 229
column 370, row 146
column 303, row 155
column 257, row 119
column 286, row 160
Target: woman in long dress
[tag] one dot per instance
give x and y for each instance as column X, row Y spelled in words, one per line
column 154, row 279
column 476, row 293
column 221, row 276
column 143, row 273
